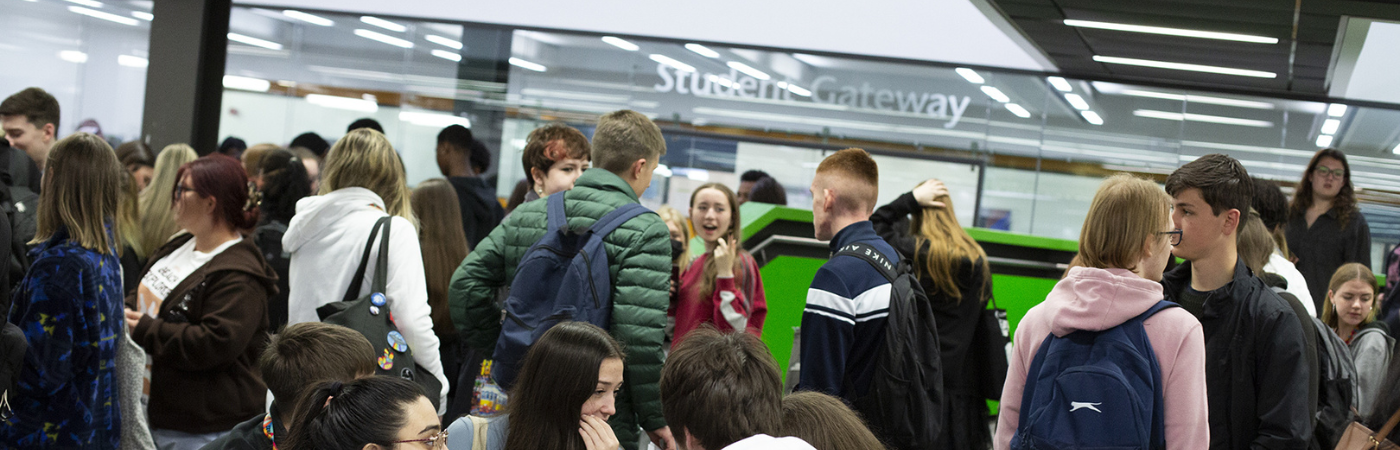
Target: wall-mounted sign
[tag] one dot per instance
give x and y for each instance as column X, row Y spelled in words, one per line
column 824, row 90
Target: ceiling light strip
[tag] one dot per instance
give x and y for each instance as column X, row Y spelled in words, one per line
column 1172, row 31
column 1166, row 115
column 1184, row 66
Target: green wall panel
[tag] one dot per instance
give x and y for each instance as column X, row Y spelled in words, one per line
column 785, row 283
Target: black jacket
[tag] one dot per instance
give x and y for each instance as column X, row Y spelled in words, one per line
column 251, row 435
column 1258, row 369
column 481, row 212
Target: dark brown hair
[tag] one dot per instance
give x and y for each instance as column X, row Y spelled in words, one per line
column 337, row 415
column 858, row 177
column 1223, row 182
column 1344, row 203
column 826, row 423
column 623, row 137
column 135, row 153
column 36, row 105
column 1272, row 207
column 444, row 246
column 551, row 143
column 223, row 178
column 721, row 388
column 307, row 353
column 733, row 238
column 82, row 181
column 559, row 374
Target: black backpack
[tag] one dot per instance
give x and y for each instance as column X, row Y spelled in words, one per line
column 19, row 202
column 268, row 238
column 904, row 404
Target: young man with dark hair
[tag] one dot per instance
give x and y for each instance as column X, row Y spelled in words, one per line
column 843, row 323
column 365, row 123
column 303, row 355
column 30, row 121
column 723, row 391
column 746, row 182
column 626, row 149
column 457, row 159
column 1258, row 372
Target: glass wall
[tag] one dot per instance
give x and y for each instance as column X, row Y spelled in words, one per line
column 90, row 55
column 1037, row 146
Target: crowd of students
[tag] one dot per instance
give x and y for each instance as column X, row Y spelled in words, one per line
column 180, row 302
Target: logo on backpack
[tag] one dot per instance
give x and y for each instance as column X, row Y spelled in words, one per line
column 562, row 277
column 1075, row 406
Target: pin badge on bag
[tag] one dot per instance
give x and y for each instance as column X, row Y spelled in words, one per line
column 386, row 361
column 397, row 341
column 377, row 299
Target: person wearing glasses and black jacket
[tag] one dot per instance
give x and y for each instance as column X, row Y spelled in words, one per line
column 1325, row 227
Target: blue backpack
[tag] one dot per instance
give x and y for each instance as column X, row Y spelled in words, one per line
column 1094, row 390
column 562, row 277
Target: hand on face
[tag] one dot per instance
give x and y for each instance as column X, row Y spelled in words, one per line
column 597, row 435
column 724, row 258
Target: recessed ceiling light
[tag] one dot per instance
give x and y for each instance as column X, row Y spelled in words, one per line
column 1167, row 115
column 702, row 50
column 1077, row 102
column 381, row 37
column 621, row 43
column 1172, row 31
column 381, row 23
column 1199, row 99
column 104, row 16
column 1336, row 110
column 1184, row 66
column 970, row 75
column 143, row 15
column 444, row 54
column 1092, row 117
column 235, row 37
column 445, row 42
column 1060, row 83
column 750, row 71
column 1330, row 126
column 995, row 94
column 132, row 61
column 523, row 64
column 667, row 60
column 1324, row 140
column 246, row 83
column 1018, row 110
column 73, row 56
column 308, row 18
column 434, row 120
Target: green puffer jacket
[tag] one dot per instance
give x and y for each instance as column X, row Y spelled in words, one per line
column 639, row 255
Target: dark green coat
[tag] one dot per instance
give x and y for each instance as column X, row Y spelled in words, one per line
column 639, row 255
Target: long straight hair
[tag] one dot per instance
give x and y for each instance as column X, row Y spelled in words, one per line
column 558, row 375
column 81, row 184
column 948, row 245
column 444, row 246
column 1344, row 274
column 128, row 221
column 1344, row 203
column 157, row 217
column 364, row 158
column 733, row 238
column 284, row 183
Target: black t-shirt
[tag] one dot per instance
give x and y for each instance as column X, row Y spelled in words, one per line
column 1193, row 301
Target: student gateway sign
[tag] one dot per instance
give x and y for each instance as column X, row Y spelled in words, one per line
column 825, row 89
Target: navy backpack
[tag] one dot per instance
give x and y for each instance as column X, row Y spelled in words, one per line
column 1094, row 390
column 562, row 277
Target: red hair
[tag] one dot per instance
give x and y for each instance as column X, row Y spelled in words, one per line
column 224, row 179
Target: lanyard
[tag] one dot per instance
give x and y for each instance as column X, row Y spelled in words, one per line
column 267, row 431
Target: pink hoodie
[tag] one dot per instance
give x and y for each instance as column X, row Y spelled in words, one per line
column 1099, row 299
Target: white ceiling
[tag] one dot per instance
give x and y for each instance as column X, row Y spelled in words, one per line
column 951, row 31
column 1374, row 74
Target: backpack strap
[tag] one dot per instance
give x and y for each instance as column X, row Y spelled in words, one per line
column 557, row 218
column 1161, row 305
column 616, row 218
column 871, row 255
column 381, row 268
column 353, row 292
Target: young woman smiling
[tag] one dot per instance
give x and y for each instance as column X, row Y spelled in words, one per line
column 722, row 286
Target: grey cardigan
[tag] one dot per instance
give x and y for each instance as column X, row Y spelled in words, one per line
column 1371, row 349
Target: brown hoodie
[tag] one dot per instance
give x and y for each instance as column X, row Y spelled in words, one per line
column 206, row 340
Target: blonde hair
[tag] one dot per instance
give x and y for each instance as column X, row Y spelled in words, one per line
column 364, row 158
column 80, row 194
column 948, row 245
column 1349, row 272
column 253, row 156
column 1125, row 211
column 1255, row 244
column 157, row 218
column 674, row 217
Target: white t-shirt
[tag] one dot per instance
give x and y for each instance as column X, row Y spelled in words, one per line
column 169, row 271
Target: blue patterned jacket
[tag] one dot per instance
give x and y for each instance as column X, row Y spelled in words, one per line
column 70, row 308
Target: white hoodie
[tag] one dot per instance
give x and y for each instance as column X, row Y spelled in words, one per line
column 327, row 238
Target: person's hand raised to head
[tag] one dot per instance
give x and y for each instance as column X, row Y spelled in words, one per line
column 929, row 190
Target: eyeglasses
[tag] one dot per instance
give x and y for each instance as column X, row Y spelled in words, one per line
column 1174, row 236
column 1325, row 172
column 436, row 442
column 180, row 191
